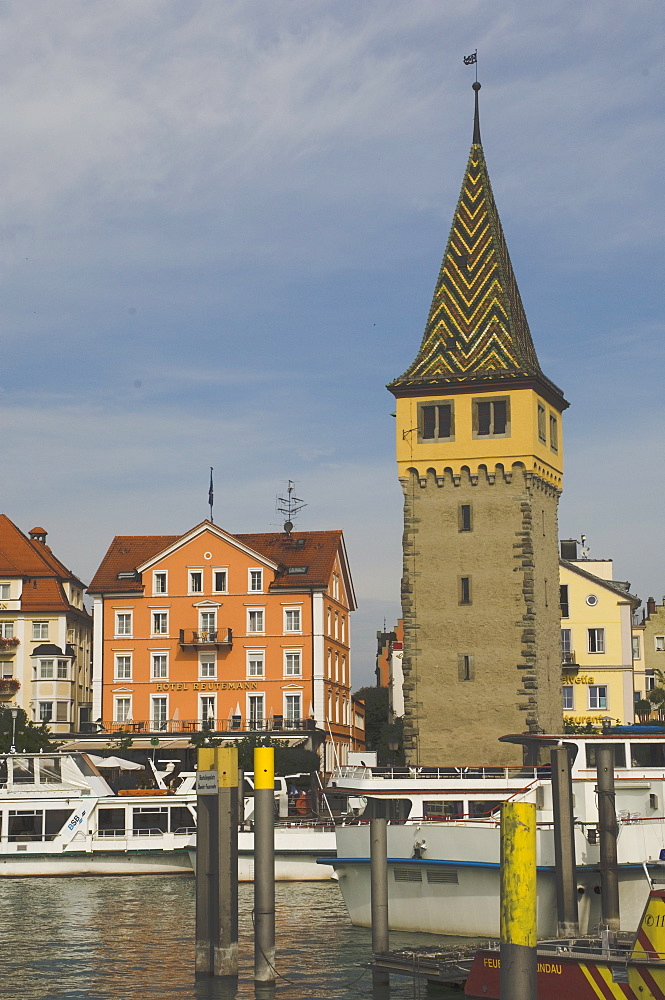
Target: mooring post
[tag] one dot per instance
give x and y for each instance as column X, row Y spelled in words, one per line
column 518, row 901
column 607, row 833
column 225, row 950
column 264, row 864
column 378, row 853
column 207, row 862
column 564, row 843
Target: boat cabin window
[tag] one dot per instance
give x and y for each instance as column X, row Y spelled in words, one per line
column 647, row 754
column 619, row 754
column 181, row 819
column 483, row 807
column 111, row 822
column 150, row 819
column 24, row 825
column 50, row 770
column 24, row 770
column 443, row 809
column 54, row 820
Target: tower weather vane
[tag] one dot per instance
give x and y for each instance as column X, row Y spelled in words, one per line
column 472, row 60
column 289, row 506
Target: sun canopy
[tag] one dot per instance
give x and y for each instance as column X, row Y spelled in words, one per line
column 124, row 765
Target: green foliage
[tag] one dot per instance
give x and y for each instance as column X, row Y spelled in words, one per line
column 30, row 738
column 643, row 709
column 588, row 729
column 379, row 731
column 288, row 759
column 120, row 741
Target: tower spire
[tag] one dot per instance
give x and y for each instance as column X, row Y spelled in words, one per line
column 476, row 118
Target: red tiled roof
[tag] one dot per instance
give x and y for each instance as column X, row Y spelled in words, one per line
column 314, row 551
column 43, row 572
column 124, row 554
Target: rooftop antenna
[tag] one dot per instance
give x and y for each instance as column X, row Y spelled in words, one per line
column 289, row 506
column 585, row 548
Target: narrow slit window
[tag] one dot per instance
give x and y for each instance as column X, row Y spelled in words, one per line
column 465, row 590
column 465, row 520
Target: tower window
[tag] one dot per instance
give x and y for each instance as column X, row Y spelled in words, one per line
column 541, row 424
column 465, row 590
column 554, row 433
column 465, row 520
column 436, row 422
column 465, row 670
column 491, row 417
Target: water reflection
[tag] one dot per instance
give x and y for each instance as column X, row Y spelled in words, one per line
column 132, row 938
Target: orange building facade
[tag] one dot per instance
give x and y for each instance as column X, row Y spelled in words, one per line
column 227, row 633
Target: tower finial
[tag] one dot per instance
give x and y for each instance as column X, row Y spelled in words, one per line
column 476, row 118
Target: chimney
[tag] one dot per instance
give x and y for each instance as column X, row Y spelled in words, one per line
column 38, row 535
column 651, row 606
column 569, row 548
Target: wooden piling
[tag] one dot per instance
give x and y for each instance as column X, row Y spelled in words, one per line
column 564, row 843
column 607, row 834
column 518, row 901
column 264, row 864
column 217, row 862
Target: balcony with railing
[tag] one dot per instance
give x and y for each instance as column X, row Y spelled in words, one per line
column 206, row 638
column 569, row 662
column 231, row 724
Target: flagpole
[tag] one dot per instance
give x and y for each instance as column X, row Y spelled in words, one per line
column 211, row 494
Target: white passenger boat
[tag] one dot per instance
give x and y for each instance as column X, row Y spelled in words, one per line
column 60, row 816
column 443, row 853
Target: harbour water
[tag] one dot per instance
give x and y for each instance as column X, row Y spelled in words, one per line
column 132, row 938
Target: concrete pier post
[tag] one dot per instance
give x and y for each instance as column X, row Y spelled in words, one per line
column 518, row 901
column 607, row 833
column 225, row 950
column 564, row 843
column 264, row 864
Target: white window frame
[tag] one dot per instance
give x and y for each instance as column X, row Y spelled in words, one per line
column 225, row 571
column 636, row 647
column 251, row 572
column 190, row 580
column 155, row 723
column 42, row 671
column 659, row 643
column 7, row 630
column 207, row 659
column 126, row 700
column 160, row 575
column 62, row 670
column 162, row 653
column 256, row 611
column 5, row 591
column 293, row 620
column 253, row 698
column 289, row 654
column 208, row 612
column 290, row 718
column 164, row 616
column 649, row 681
column 252, row 659
column 123, row 656
column 39, row 631
column 129, row 615
column 598, row 640
column 208, row 716
column 45, row 717
column 594, row 695
column 568, row 695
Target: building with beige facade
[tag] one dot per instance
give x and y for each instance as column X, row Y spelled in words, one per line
column 480, row 460
column 45, row 632
column 596, row 640
column 649, row 650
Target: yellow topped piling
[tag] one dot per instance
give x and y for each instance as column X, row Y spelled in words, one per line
column 264, row 767
column 518, row 901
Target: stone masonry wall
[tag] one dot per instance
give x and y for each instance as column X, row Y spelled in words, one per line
column 510, row 630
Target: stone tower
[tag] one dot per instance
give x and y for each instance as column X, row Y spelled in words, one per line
column 480, row 460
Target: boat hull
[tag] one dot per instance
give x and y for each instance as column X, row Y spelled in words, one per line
column 130, row 862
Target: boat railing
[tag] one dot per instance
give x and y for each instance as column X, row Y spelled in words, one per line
column 461, row 773
column 148, row 832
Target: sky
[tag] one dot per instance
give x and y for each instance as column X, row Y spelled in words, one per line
column 220, row 230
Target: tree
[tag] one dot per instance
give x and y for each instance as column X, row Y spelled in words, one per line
column 657, row 698
column 30, row 738
column 288, row 759
column 379, row 731
column 643, row 709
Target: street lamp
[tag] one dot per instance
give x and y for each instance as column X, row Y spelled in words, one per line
column 14, row 712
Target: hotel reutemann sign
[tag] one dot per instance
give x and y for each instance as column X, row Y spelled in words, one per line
column 208, row 686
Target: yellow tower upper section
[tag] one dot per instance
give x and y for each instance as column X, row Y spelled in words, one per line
column 475, row 394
